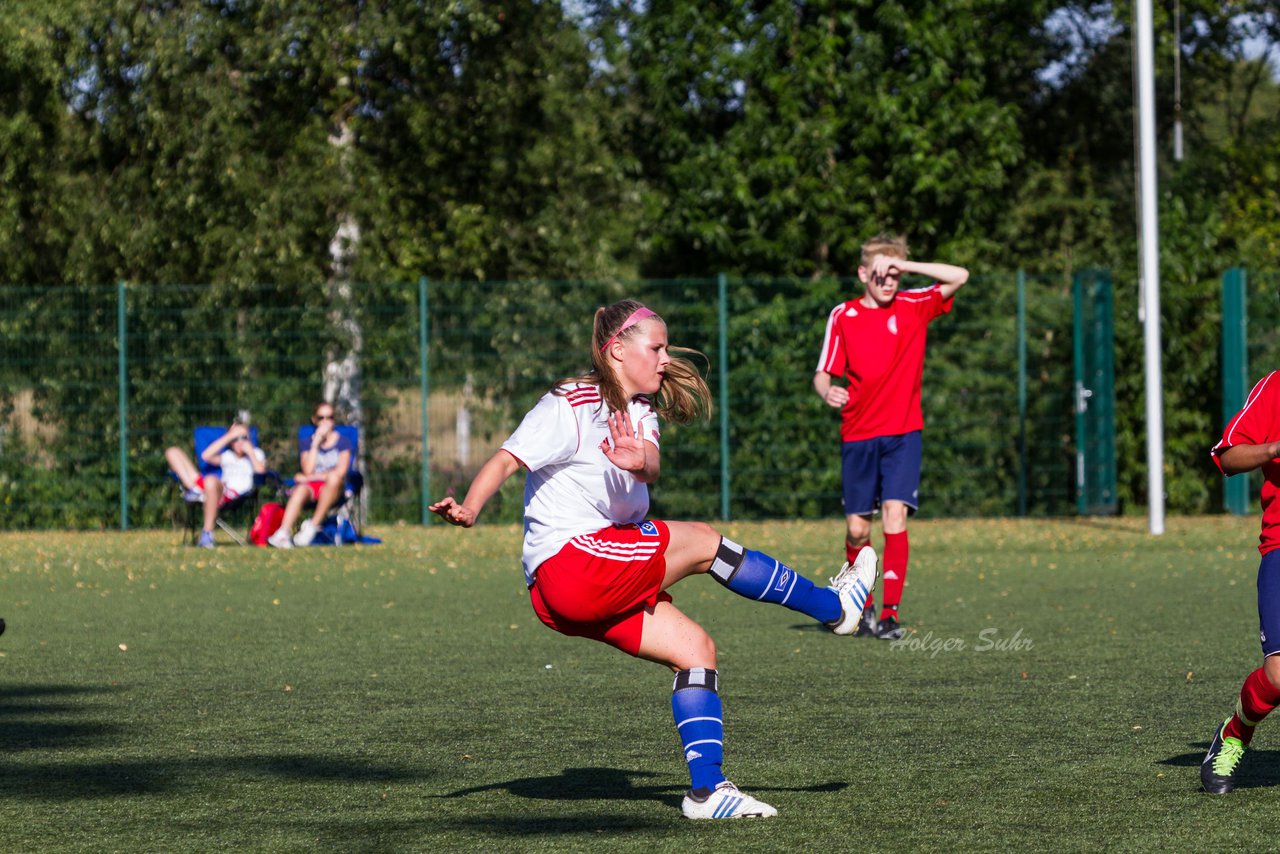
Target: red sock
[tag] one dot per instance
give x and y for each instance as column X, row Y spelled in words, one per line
column 1257, row 698
column 851, row 554
column 896, row 551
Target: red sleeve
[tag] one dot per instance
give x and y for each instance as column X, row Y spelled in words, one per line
column 1257, row 423
column 940, row 305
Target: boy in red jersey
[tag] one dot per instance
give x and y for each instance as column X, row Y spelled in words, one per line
column 1250, row 441
column 876, row 344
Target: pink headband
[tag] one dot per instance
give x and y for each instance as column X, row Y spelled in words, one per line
column 633, row 318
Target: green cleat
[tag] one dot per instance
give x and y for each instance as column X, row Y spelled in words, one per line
column 1218, row 770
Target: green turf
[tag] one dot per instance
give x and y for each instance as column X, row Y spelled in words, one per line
column 403, row 697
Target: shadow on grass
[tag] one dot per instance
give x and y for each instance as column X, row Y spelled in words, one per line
column 23, row 706
column 1260, row 769
column 26, row 727
column 83, row 780
column 583, row 784
column 608, row 784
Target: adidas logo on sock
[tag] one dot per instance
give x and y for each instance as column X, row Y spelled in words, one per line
column 890, row 575
column 691, row 755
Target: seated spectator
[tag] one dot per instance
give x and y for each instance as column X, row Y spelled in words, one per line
column 239, row 460
column 321, row 481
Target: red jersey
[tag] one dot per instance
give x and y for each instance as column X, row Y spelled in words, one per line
column 880, row 352
column 1259, row 424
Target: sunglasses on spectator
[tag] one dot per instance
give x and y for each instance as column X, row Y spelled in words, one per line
column 328, row 417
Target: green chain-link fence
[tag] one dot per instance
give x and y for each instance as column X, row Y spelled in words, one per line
column 84, row 421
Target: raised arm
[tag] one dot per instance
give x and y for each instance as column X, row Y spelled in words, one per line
column 258, row 459
column 487, row 482
column 215, row 448
column 948, row 276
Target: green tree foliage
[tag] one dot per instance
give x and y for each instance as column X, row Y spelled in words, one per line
column 774, row 137
column 486, row 140
column 31, row 134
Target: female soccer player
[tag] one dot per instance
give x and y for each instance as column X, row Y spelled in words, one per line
column 597, row 568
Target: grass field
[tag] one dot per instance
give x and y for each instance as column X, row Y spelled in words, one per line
column 1058, row 694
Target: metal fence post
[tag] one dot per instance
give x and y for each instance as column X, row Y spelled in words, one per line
column 722, row 287
column 1022, row 393
column 1235, row 373
column 1080, row 395
column 423, row 367
column 122, row 371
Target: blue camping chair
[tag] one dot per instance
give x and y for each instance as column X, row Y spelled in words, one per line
column 346, row 514
column 236, row 516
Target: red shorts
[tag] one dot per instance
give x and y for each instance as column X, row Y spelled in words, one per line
column 315, row 486
column 228, row 494
column 600, row 585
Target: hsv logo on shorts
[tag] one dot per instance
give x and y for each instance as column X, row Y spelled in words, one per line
column 649, row 529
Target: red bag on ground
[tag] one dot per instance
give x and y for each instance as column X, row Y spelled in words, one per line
column 268, row 521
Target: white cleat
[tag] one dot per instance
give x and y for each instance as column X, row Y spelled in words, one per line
column 306, row 533
column 853, row 585
column 725, row 801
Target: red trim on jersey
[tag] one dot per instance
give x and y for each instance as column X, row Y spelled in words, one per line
column 1259, row 424
column 583, row 395
column 522, row 463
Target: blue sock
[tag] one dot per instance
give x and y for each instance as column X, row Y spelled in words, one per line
column 695, row 704
column 757, row 576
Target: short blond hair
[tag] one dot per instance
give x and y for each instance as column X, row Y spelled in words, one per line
column 893, row 245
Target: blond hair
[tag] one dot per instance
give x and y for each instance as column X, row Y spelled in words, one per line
column 893, row 245
column 683, row 395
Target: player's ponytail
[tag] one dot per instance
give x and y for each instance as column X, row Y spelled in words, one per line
column 684, row 395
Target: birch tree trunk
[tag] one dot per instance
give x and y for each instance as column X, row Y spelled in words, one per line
column 342, row 367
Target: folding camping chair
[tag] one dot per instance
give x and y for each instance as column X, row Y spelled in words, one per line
column 347, row 512
column 234, row 517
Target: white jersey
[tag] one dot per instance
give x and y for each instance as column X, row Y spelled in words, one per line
column 237, row 471
column 572, row 488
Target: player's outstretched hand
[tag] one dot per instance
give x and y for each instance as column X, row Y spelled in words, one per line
column 453, row 512
column 627, row 450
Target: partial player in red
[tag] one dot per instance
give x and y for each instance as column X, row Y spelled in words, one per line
column 870, row 367
column 1251, row 441
column 596, row 567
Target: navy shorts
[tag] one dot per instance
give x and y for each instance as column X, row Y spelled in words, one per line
column 886, row 468
column 1269, row 603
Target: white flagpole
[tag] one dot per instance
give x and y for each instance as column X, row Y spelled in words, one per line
column 1150, row 263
